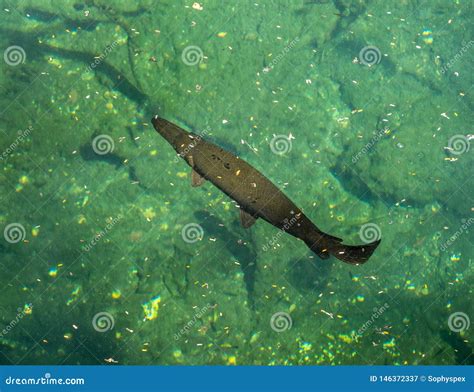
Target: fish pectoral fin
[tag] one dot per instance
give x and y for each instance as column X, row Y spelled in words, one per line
column 246, row 219
column 196, row 179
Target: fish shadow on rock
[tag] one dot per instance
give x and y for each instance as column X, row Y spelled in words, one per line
column 238, row 247
column 309, row 274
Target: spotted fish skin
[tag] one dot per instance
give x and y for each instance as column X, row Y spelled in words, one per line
column 255, row 194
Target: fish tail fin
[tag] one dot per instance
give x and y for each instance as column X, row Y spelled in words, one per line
column 351, row 254
column 354, row 254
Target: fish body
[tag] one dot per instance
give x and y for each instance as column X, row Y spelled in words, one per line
column 255, row 194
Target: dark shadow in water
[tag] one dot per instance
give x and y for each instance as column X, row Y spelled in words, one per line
column 463, row 354
column 241, row 249
column 107, row 74
column 309, row 274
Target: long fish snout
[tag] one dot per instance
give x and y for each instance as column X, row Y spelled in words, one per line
column 173, row 134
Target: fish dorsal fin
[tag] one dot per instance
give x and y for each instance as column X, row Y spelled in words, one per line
column 196, row 178
column 246, row 219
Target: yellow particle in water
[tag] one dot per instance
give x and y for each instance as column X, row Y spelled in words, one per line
column 151, row 308
column 109, row 105
column 24, row 180
column 28, row 308
column 182, row 174
column 425, row 290
column 222, row 34
column 81, row 219
column 360, row 298
column 455, row 258
column 116, row 294
column 232, row 360
column 53, row 272
column 164, row 227
column 389, row 344
column 427, row 36
column 149, row 213
column 153, row 152
column 345, row 338
column 35, row 231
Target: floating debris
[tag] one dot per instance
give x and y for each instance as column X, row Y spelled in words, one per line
column 151, row 308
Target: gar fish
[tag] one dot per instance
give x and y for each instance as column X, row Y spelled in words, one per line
column 255, row 194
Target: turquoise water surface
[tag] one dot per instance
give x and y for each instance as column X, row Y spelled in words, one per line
column 360, row 111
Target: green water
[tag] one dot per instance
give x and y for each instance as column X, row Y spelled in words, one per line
column 361, row 111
